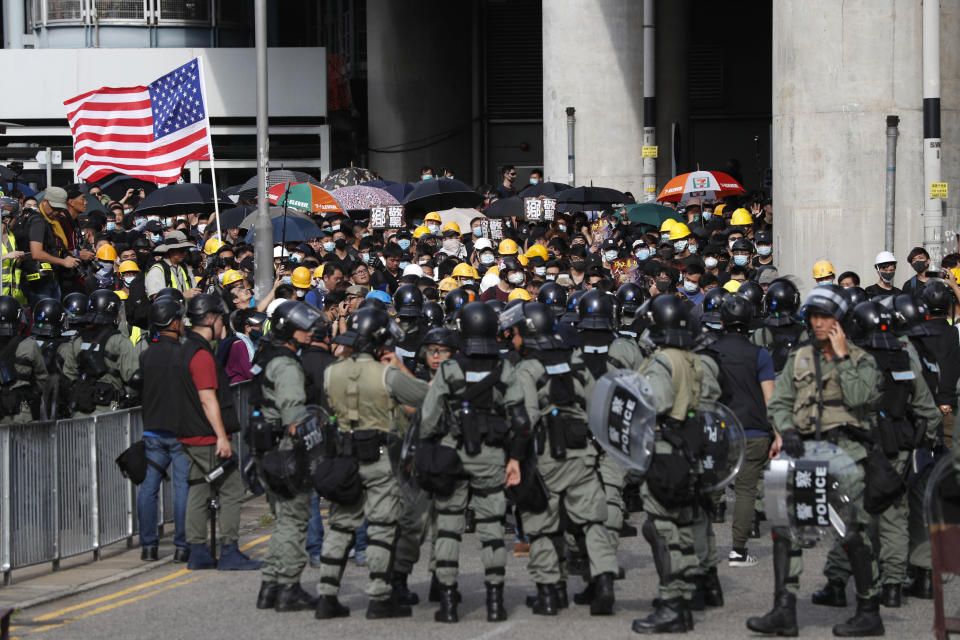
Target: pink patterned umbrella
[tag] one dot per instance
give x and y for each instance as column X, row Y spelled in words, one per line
column 359, row 197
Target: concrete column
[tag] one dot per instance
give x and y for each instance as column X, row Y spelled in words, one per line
column 593, row 61
column 419, row 78
column 14, row 18
column 839, row 68
column 673, row 19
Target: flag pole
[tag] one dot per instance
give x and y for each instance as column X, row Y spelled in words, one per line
column 213, row 169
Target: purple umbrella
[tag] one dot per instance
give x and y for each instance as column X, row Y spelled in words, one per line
column 358, row 197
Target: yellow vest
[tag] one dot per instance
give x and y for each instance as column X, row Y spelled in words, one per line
column 11, row 272
column 357, row 393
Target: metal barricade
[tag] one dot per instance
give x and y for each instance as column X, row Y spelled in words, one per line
column 30, row 470
column 75, row 449
column 114, row 492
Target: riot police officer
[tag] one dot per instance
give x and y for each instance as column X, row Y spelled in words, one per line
column 282, row 405
column 408, row 302
column 101, row 364
column 49, row 322
column 22, row 371
column 75, row 304
column 630, row 295
column 826, row 387
column 781, row 331
column 366, row 395
column 475, row 407
column 555, row 383
column 555, row 297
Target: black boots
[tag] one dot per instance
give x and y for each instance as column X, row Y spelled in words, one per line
column 833, row 594
column 865, row 622
column 402, row 593
column 719, row 511
column 267, row 597
column 890, row 596
column 755, row 527
column 329, row 607
column 388, row 608
column 781, row 620
column 435, row 586
column 448, row 604
column 603, row 597
column 562, row 600
column 149, row 554
column 709, row 585
column 545, row 603
column 921, row 586
column 292, row 597
column 671, row 616
column 496, row 612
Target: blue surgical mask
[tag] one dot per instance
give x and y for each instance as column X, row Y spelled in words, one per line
column 610, row 255
column 764, row 249
column 295, row 257
column 707, row 215
column 287, row 280
column 404, row 265
column 679, row 246
column 692, row 248
column 129, row 280
column 534, row 181
column 741, row 260
column 155, row 238
column 642, row 253
column 403, row 243
column 153, row 218
column 562, row 228
column 139, row 222
column 690, row 287
column 329, row 246
column 426, row 176
column 365, row 256
column 477, row 232
column 487, row 258
column 111, row 225
column 434, row 228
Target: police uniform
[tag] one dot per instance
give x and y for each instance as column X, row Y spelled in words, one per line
column 24, row 376
column 91, row 393
column 366, row 396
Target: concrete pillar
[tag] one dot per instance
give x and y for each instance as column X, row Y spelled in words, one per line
column 673, row 19
column 419, row 78
column 14, row 19
column 593, row 61
column 839, row 68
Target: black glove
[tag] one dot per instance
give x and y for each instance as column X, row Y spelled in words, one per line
column 792, row 444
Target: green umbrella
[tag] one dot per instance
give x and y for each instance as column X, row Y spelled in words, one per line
column 651, row 213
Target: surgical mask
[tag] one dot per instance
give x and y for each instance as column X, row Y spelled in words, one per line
column 301, row 293
column 168, row 223
column 540, row 270
column 365, row 256
column 690, row 287
column 642, row 253
column 534, row 181
column 710, row 263
column 679, row 246
column 403, row 243
column 296, row 257
column 155, row 238
column 707, row 215
column 426, row 176
column 129, row 280
column 610, row 255
column 335, row 228
column 741, row 260
column 823, row 283
column 341, row 243
column 551, row 277
column 920, row 265
column 434, row 228
column 887, row 276
column 477, row 232
column 515, row 278
column 153, row 218
column 329, row 246
column 111, row 225
column 692, row 248
column 201, row 227
column 764, row 249
column 466, row 281
column 487, row 258
column 404, row 265
column 287, row 280
column 562, row 228
column 139, row 222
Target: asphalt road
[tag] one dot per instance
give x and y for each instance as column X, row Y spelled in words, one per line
column 173, row 603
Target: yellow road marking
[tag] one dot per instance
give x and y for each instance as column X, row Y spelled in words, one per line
column 112, row 596
column 254, row 543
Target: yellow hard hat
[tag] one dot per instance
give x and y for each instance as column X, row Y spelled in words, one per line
column 121, row 294
column 518, row 294
column 679, row 231
column 451, row 226
column 232, row 275
column 318, row 272
column 537, row 250
column 433, row 215
column 732, row 285
column 667, row 225
column 300, row 278
column 495, row 270
column 464, row 270
column 419, row 231
column 212, row 245
column 129, row 265
column 741, row 217
column 507, row 247
column 447, row 285
column 823, row 269
column 107, row 253
column 718, row 210
column 523, row 260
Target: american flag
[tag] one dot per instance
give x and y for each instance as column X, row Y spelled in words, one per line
column 144, row 132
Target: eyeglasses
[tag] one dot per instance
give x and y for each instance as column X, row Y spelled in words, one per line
column 438, row 351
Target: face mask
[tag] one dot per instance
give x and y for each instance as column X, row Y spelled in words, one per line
column 434, row 228
column 692, row 248
column 201, row 227
column 451, row 245
column 764, row 249
column 920, row 266
column 255, row 334
column 515, row 278
column 823, row 283
column 287, row 280
column 887, row 277
column 168, row 223
column 690, row 287
column 155, row 238
column 710, row 263
column 365, row 256
column 341, row 243
column 540, row 270
column 707, row 215
column 741, row 260
column 642, row 253
column 296, row 257
column 610, row 256
column 666, row 253
column 534, row 181
column 139, row 222
column 664, row 236
column 562, row 228
column 551, row 277
column 111, row 226
column 129, row 279
column 426, row 176
column 404, row 265
column 301, row 293
column 477, row 232
column 662, row 285
column 679, row 246
column 466, row 281
column 578, row 265
column 335, row 228
column 329, row 246
column 403, row 244
column 487, row 259
column 153, row 218
column 105, row 268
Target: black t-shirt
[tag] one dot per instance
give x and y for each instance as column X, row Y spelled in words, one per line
column 41, row 231
column 876, row 291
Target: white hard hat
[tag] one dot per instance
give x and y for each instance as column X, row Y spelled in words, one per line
column 884, row 257
column 413, row 269
column 482, row 243
column 489, row 280
column 279, row 251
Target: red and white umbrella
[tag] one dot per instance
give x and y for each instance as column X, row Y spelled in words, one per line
column 709, row 185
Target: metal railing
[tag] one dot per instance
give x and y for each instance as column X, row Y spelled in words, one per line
column 61, row 492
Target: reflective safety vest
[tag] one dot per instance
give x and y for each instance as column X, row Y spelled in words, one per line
column 169, row 279
column 135, row 334
column 11, row 272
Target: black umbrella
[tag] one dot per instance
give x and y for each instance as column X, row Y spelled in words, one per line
column 117, row 184
column 511, row 207
column 543, row 189
column 441, row 194
column 589, row 198
column 181, row 199
column 231, row 218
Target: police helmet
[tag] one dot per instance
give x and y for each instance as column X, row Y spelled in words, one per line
column 827, row 299
column 75, row 305
column 202, row 305
column 10, row 314
column 753, row 293
column 712, row 301
column 554, row 296
column 477, row 326
column 939, row 297
column 872, row 325
column 669, row 321
column 49, row 318
column 630, row 295
column 909, row 315
column 781, row 302
column 408, row 301
column 855, row 295
column 573, row 304
column 457, row 299
column 538, row 328
column 291, row 316
column 496, row 305
column 367, row 329
column 103, row 307
column 164, row 310
column 596, row 310
column 443, row 337
column 736, row 313
column 433, row 313
column 171, row 292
